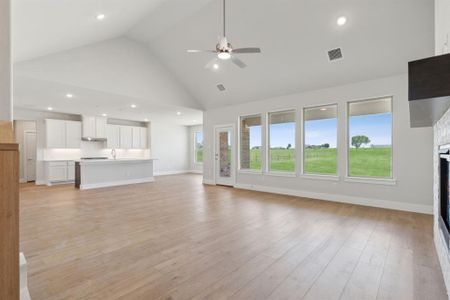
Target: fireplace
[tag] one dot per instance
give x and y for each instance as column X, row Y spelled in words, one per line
column 444, row 199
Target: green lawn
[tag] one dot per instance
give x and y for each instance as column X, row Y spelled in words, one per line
column 364, row 162
column 199, row 156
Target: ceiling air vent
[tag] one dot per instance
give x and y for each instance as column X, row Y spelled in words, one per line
column 335, row 54
column 221, row 87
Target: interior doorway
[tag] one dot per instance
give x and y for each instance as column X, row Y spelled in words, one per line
column 30, row 155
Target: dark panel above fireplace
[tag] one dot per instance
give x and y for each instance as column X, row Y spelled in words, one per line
column 429, row 89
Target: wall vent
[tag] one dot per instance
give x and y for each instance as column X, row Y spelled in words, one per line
column 221, row 87
column 335, row 54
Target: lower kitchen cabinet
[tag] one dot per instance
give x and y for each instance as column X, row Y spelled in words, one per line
column 60, row 171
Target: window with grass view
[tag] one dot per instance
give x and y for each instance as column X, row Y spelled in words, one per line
column 199, row 147
column 320, row 139
column 250, row 143
column 282, row 141
column 370, row 138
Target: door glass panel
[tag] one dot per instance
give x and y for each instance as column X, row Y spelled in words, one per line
column 225, row 154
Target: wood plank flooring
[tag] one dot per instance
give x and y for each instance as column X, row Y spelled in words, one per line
column 178, row 239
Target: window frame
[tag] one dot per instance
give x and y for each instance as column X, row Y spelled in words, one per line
column 267, row 145
column 302, row 169
column 195, row 146
column 250, row 171
column 368, row 179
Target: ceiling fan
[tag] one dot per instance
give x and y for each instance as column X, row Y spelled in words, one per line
column 224, row 50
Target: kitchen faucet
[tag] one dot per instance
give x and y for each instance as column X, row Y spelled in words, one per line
column 113, row 153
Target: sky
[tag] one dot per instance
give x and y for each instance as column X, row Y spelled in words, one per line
column 376, row 127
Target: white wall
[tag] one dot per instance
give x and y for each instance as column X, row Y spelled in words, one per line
column 20, row 127
column 194, row 167
column 170, row 147
column 5, row 61
column 442, row 26
column 412, row 157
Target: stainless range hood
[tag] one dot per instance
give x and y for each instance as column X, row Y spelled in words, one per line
column 93, row 139
column 429, row 90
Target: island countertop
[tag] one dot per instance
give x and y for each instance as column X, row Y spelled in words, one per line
column 113, row 161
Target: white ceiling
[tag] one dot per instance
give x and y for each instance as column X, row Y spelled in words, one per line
column 42, row 27
column 378, row 40
column 380, row 37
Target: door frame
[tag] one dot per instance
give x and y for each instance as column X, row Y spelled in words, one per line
column 233, row 151
column 25, row 161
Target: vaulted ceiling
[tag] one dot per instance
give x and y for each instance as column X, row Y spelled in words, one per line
column 378, row 40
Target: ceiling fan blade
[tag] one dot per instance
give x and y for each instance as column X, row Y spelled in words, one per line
column 201, row 51
column 247, row 50
column 238, row 62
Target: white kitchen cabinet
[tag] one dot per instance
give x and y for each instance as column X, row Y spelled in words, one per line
column 60, row 171
column 100, row 127
column 55, row 133
column 63, row 134
column 70, row 171
column 136, row 142
column 143, row 133
column 94, row 127
column 73, row 134
column 126, row 137
column 113, row 136
column 57, row 171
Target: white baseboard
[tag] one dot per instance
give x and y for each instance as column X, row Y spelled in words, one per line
column 115, row 183
column 40, row 182
column 196, row 171
column 165, row 173
column 209, row 181
column 425, row 209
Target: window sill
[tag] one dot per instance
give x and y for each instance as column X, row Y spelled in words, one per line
column 320, row 177
column 281, row 174
column 381, row 181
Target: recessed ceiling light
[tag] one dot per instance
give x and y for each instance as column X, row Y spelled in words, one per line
column 145, row 120
column 194, row 121
column 224, row 55
column 323, row 109
column 341, row 21
column 49, row 108
column 133, row 105
column 104, row 115
column 69, row 95
column 178, row 113
column 100, row 17
column 216, row 66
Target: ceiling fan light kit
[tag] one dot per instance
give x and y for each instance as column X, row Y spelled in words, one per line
column 224, row 50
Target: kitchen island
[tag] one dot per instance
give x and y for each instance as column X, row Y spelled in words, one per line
column 98, row 173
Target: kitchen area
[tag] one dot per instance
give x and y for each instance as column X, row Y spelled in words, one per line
column 92, row 151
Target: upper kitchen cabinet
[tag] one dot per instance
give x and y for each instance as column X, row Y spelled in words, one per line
column 126, row 137
column 136, row 137
column 113, row 136
column 143, row 132
column 94, row 127
column 63, row 134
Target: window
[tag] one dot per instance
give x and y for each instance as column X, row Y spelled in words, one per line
column 370, row 138
column 250, row 143
column 282, row 141
column 198, row 137
column 320, row 140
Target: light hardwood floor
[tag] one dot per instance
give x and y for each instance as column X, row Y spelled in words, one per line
column 178, row 239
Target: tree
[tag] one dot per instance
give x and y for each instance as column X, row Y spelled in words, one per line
column 359, row 140
column 289, row 146
column 326, row 146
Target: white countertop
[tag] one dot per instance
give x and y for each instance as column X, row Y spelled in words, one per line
column 113, row 161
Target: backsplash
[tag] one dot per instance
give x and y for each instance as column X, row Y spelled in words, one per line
column 93, row 149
